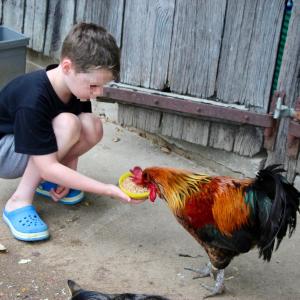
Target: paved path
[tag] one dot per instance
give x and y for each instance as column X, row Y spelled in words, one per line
column 105, row 245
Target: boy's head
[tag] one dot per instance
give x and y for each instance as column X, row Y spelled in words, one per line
column 91, row 47
column 90, row 58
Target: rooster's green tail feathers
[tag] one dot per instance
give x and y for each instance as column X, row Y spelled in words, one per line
column 276, row 208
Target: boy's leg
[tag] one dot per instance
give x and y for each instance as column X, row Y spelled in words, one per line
column 20, row 216
column 90, row 134
column 24, row 193
column 75, row 135
column 72, row 132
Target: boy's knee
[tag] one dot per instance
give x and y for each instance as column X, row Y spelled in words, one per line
column 92, row 128
column 67, row 124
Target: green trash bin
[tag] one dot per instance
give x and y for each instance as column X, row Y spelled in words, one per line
column 12, row 54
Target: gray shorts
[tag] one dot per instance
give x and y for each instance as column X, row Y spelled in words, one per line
column 12, row 164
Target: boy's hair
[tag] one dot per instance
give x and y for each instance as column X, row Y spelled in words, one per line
column 89, row 47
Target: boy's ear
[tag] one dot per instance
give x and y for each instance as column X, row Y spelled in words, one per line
column 66, row 65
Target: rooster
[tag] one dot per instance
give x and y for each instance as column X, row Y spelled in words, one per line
column 227, row 216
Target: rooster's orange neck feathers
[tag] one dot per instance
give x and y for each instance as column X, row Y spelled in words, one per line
column 188, row 193
column 175, row 185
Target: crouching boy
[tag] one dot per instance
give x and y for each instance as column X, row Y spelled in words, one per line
column 45, row 128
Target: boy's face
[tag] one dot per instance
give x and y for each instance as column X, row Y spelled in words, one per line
column 88, row 85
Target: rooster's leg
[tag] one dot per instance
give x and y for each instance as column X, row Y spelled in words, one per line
column 204, row 272
column 219, row 287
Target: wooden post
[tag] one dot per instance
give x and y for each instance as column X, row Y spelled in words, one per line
column 289, row 81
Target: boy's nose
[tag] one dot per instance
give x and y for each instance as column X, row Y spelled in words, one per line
column 97, row 91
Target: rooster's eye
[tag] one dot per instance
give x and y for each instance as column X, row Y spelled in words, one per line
column 146, row 178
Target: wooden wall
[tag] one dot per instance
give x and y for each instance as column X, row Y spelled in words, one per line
column 223, row 50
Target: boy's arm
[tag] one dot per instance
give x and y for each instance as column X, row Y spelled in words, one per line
column 52, row 170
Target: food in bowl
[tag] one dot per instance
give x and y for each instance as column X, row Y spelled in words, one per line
column 132, row 189
column 129, row 185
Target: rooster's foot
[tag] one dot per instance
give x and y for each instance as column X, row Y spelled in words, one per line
column 219, row 287
column 204, row 272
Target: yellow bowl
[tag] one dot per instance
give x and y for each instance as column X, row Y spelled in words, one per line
column 136, row 196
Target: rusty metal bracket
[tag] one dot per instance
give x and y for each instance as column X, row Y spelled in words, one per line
column 293, row 140
column 188, row 107
column 270, row 133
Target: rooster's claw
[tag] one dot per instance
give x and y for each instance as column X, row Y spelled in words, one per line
column 204, row 272
column 214, row 290
column 219, row 287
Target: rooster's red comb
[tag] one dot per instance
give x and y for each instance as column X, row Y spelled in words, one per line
column 137, row 175
column 136, row 170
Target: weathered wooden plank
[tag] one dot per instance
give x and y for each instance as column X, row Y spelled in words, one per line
column 133, row 56
column 195, row 49
column 146, row 42
column 248, row 140
column 196, row 131
column 289, row 81
column 290, row 165
column 60, row 20
column 35, row 23
column 172, row 125
column 125, row 114
column 184, row 128
column 249, row 48
column 107, row 13
column 145, row 119
column 13, row 14
column 222, row 136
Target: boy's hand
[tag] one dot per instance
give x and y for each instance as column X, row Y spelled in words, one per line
column 133, row 201
column 115, row 192
column 59, row 193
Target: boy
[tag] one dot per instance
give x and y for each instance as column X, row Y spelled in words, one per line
column 44, row 128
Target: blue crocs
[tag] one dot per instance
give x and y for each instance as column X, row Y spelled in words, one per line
column 25, row 224
column 73, row 197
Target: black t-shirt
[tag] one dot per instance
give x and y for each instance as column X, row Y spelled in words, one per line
column 28, row 105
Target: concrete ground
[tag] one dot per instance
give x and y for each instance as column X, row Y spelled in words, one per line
column 108, row 246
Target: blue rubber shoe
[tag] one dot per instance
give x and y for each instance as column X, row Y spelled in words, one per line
column 73, row 197
column 25, row 224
